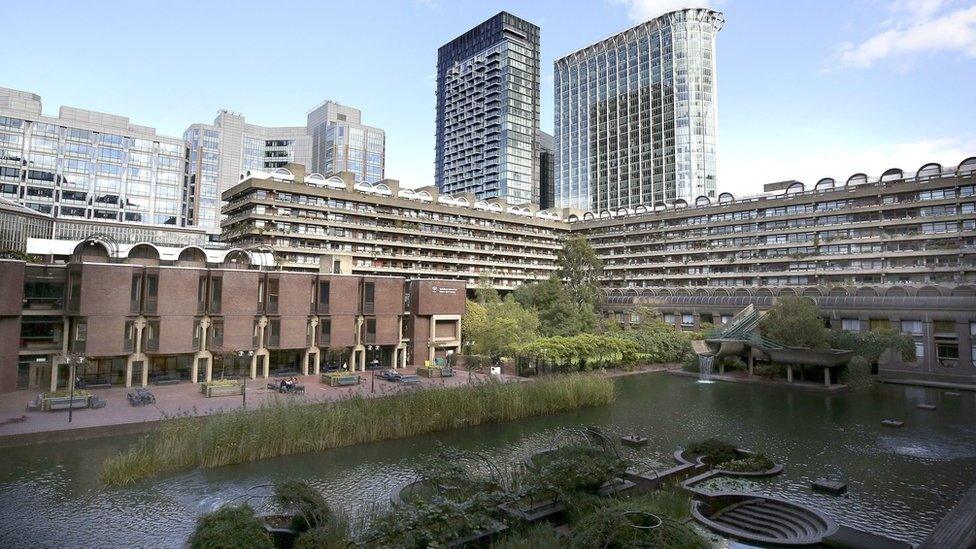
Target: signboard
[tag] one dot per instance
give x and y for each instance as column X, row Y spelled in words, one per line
column 444, row 290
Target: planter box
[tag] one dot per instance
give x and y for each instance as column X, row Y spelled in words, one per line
column 429, row 372
column 221, row 390
column 341, row 380
column 547, row 509
column 63, row 403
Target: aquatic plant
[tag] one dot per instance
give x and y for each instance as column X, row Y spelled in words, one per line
column 748, row 464
column 713, row 450
column 281, row 427
column 230, row 527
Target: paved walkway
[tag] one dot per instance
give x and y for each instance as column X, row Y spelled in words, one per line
column 118, row 417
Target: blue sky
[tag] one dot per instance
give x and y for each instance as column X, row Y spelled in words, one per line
column 807, row 88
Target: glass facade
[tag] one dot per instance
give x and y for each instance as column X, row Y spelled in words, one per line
column 88, row 165
column 488, row 111
column 341, row 143
column 636, row 115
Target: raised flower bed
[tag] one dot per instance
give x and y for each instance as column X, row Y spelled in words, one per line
column 429, row 371
column 61, row 400
column 340, row 379
column 221, row 387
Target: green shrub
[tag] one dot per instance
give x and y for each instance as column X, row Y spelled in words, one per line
column 66, row 393
column 769, row 370
column 432, row 523
column 751, row 464
column 857, row 373
column 230, row 527
column 734, row 363
column 333, row 534
column 571, row 469
column 306, row 504
column 611, row 524
column 713, row 450
column 537, row 536
column 221, row 383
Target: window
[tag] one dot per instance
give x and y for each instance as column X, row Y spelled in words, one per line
column 274, row 333
column 324, row 288
column 669, row 318
column 152, row 292
column 151, row 336
column 914, row 328
column 687, row 319
column 850, row 324
column 879, row 324
column 972, row 332
column 216, row 294
column 272, row 295
column 135, row 294
column 202, row 294
column 369, row 336
column 129, row 336
column 325, row 331
column 369, row 297
column 216, row 334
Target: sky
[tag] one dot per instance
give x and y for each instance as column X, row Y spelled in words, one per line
column 806, row 88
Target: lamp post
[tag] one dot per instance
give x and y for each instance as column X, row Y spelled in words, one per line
column 372, row 385
column 73, row 360
column 244, row 383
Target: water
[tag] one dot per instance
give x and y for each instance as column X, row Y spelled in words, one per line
column 705, row 368
column 902, row 481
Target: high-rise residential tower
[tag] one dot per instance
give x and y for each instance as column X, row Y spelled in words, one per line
column 341, row 143
column 547, row 170
column 488, row 111
column 88, row 165
column 220, row 152
column 636, row 115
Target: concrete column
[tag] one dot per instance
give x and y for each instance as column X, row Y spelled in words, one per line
column 305, row 356
column 403, row 357
column 318, row 362
column 145, row 372
column 393, row 358
column 209, row 372
column 751, row 361
column 827, row 377
column 789, row 374
column 362, row 360
column 266, row 358
column 128, row 373
column 54, row 374
column 352, row 360
column 254, row 367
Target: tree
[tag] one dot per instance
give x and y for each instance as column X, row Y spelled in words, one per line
column 795, row 322
column 498, row 326
column 580, row 270
column 486, row 292
column 558, row 313
column 657, row 341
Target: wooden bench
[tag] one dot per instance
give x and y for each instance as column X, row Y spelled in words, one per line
column 409, row 379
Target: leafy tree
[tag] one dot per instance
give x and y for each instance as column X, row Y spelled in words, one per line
column 495, row 327
column 657, row 341
column 486, row 292
column 580, row 269
column 580, row 352
column 795, row 322
column 870, row 345
column 558, row 313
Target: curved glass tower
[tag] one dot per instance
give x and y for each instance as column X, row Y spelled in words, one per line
column 636, row 115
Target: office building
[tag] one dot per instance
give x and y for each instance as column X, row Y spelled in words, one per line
column 220, row 152
column 147, row 313
column 636, row 115
column 547, row 171
column 342, row 143
column 488, row 112
column 88, row 165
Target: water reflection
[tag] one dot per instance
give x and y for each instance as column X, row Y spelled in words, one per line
column 901, row 481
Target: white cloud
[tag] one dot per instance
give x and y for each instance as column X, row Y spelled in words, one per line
column 917, row 27
column 745, row 174
column 644, row 10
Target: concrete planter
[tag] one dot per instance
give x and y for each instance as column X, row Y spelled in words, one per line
column 340, row 380
column 221, row 390
column 429, row 372
column 63, row 403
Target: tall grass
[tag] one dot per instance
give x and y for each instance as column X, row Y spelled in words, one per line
column 281, row 427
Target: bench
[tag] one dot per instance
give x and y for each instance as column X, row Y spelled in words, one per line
column 63, row 403
column 98, row 384
column 409, row 379
column 348, row 380
column 165, row 379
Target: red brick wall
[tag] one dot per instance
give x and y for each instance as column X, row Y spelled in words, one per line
column 9, row 344
column 437, row 297
column 11, row 287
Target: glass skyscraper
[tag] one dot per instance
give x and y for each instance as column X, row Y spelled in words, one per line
column 636, row 115
column 342, row 143
column 488, row 111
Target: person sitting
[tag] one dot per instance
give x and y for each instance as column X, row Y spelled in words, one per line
column 282, row 385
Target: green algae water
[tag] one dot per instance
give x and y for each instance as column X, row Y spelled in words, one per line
column 901, row 481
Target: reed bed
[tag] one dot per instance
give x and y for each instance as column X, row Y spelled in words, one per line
column 284, row 427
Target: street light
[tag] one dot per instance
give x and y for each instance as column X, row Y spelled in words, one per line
column 372, row 386
column 73, row 360
column 244, row 383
